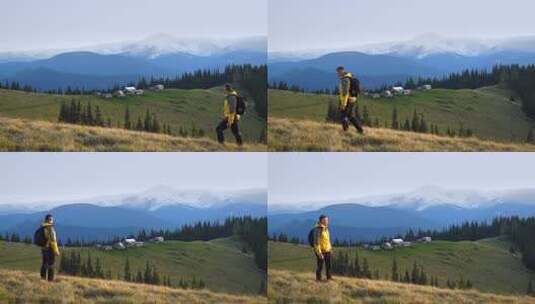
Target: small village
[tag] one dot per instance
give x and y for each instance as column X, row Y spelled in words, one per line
column 129, row 91
column 397, row 91
column 129, row 243
column 396, row 243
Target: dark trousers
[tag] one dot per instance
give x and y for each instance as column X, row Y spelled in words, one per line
column 234, row 127
column 327, row 261
column 348, row 116
column 47, row 265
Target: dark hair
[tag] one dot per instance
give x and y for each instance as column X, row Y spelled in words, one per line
column 322, row 217
column 48, row 217
column 228, row 86
column 340, row 68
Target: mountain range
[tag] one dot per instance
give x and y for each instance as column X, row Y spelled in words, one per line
column 115, row 216
column 429, row 207
column 103, row 66
column 429, row 55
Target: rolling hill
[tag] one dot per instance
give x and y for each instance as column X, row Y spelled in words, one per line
column 487, row 263
column 27, row 287
column 178, row 108
column 220, row 263
column 294, row 287
column 488, row 112
column 307, row 135
column 34, row 135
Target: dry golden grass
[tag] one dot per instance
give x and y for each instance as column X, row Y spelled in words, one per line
column 305, row 135
column 25, row 287
column 293, row 287
column 32, row 135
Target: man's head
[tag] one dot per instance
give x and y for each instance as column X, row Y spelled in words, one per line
column 340, row 71
column 227, row 88
column 49, row 219
column 324, row 220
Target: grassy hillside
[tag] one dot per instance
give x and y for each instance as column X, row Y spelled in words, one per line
column 307, row 135
column 178, row 108
column 219, row 263
column 487, row 111
column 487, row 263
column 294, row 287
column 27, row 287
column 32, row 135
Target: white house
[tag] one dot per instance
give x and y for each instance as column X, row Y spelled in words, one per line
column 397, row 242
column 119, row 246
column 157, row 87
column 158, row 239
column 130, row 90
column 376, row 96
column 108, row 96
column 425, row 239
column 426, row 87
column 138, row 244
column 406, row 244
column 397, row 90
column 387, row 94
column 129, row 242
column 407, row 92
column 375, row 248
column 107, row 248
column 387, row 246
column 119, row 93
column 139, row 92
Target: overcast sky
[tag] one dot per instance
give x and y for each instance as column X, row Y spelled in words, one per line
column 38, row 24
column 61, row 176
column 329, row 24
column 313, row 177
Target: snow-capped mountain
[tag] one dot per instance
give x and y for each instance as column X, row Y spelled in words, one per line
column 424, row 198
column 153, row 199
column 151, row 47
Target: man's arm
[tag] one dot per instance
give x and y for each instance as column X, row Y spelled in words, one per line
column 53, row 241
column 317, row 244
column 344, row 92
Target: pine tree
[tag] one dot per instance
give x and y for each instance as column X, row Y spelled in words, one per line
column 530, row 290
column 147, row 126
column 415, row 276
column 530, row 139
column 366, row 269
column 139, row 124
column 415, row 125
column 407, row 125
column 407, row 278
column 98, row 117
column 139, row 277
column 147, row 276
column 127, row 124
column 395, row 274
column 366, row 117
column 423, row 125
column 127, row 274
column 395, row 123
column 155, row 126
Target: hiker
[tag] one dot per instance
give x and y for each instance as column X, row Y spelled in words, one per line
column 233, row 107
column 50, row 249
column 349, row 89
column 322, row 247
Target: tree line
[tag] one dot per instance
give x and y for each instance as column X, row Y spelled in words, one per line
column 520, row 79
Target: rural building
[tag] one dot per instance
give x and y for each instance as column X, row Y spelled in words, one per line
column 108, row 96
column 119, row 246
column 397, row 242
column 107, row 248
column 157, row 87
column 426, row 87
column 138, row 244
column 425, row 239
column 130, row 90
column 387, row 94
column 119, row 93
column 139, row 92
column 406, row 244
column 397, row 90
column 376, row 96
column 407, row 92
column 129, row 242
column 158, row 239
column 387, row 246
column 375, row 248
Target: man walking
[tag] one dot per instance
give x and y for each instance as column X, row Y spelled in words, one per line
column 349, row 89
column 322, row 247
column 231, row 116
column 50, row 249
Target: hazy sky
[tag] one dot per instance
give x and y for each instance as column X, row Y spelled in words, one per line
column 38, row 24
column 59, row 176
column 328, row 24
column 302, row 177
